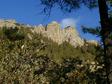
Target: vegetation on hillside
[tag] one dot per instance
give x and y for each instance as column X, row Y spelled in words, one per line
column 105, row 13
column 30, row 58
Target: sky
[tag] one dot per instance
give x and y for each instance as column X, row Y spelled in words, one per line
column 29, row 12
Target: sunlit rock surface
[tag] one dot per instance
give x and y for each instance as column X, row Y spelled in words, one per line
column 59, row 35
column 53, row 31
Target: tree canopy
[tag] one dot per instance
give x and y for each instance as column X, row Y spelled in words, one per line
column 69, row 5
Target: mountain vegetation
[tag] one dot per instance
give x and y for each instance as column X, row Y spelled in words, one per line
column 105, row 10
column 30, row 58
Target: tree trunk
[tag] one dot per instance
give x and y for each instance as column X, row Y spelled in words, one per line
column 105, row 25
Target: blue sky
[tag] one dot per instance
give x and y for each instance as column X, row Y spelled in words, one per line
column 29, row 12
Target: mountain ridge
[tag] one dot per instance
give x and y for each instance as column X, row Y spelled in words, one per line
column 54, row 32
column 59, row 35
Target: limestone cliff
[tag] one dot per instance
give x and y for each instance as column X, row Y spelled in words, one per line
column 59, row 35
column 52, row 31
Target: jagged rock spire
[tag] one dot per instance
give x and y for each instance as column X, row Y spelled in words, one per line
column 59, row 35
column 54, row 32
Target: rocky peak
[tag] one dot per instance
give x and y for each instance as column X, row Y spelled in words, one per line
column 59, row 35
column 53, row 26
column 54, row 32
column 71, row 30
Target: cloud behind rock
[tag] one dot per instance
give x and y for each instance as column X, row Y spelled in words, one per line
column 69, row 22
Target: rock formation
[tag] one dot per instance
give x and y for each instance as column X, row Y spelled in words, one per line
column 52, row 31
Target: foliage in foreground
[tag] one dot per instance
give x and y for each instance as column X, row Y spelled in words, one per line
column 29, row 58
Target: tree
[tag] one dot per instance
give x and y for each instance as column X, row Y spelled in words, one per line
column 70, row 5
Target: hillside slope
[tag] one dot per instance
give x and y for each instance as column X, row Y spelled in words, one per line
column 28, row 57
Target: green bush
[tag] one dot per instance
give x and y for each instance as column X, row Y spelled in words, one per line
column 13, row 33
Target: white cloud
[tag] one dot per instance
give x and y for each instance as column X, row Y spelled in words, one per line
column 69, row 22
